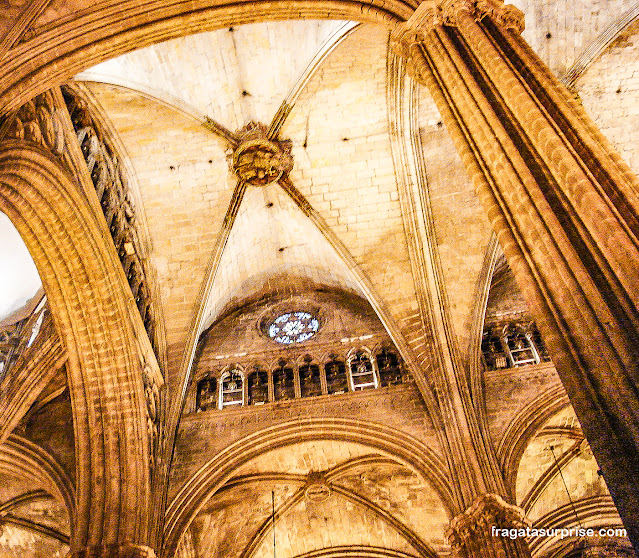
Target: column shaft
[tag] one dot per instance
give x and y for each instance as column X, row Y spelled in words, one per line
column 44, row 191
column 564, row 205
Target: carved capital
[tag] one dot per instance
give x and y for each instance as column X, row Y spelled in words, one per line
column 502, row 14
column 407, row 38
column 259, row 160
column 506, row 16
column 487, row 511
column 449, row 12
column 37, row 121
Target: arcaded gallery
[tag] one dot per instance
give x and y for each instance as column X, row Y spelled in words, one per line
column 319, row 279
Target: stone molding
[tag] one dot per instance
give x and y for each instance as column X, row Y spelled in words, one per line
column 126, row 550
column 486, row 511
column 90, row 308
column 198, row 487
column 37, row 121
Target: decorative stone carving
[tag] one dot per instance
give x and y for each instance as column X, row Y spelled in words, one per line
column 15, row 338
column 112, row 190
column 153, row 411
column 448, row 12
column 317, row 488
column 258, row 160
column 9, row 341
column 36, row 121
column 510, row 343
column 475, row 524
column 413, row 32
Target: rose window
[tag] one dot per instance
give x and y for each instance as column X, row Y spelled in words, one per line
column 293, row 327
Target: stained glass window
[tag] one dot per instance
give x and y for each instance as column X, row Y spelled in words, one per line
column 293, row 327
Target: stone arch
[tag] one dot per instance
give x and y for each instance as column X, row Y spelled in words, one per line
column 596, row 512
column 115, row 28
column 522, row 429
column 595, row 49
column 355, row 552
column 30, row 461
column 216, row 472
column 86, row 292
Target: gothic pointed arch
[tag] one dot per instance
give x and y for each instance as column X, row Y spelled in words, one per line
column 404, row 448
column 96, row 323
column 81, row 43
column 30, row 461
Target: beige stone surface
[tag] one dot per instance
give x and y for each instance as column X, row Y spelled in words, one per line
column 580, row 479
column 232, row 76
column 184, row 198
column 273, row 237
column 572, row 27
column 353, row 256
column 609, row 90
column 461, row 230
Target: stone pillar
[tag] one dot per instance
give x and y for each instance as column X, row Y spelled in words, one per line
column 478, row 532
column 113, row 377
column 563, row 203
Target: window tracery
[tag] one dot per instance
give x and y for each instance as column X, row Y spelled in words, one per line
column 511, row 345
column 310, row 381
column 258, row 387
column 283, row 382
column 293, row 327
column 362, row 372
column 308, row 378
column 112, row 190
column 207, row 394
column 232, row 388
column 335, row 371
column 390, row 371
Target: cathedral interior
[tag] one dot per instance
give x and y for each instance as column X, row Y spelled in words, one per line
column 319, row 279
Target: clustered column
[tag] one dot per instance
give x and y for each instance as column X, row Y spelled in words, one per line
column 563, row 203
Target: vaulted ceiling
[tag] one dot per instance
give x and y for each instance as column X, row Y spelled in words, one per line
column 331, row 87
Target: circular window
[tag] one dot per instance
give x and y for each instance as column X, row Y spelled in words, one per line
column 293, row 327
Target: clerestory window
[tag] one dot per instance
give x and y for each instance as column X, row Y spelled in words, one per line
column 232, row 389
column 362, row 373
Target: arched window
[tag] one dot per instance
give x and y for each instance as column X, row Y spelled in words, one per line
column 310, row 381
column 538, row 343
column 257, row 387
column 206, row 397
column 519, row 346
column 335, row 371
column 283, row 382
column 389, row 367
column 495, row 357
column 232, row 389
column 362, row 374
